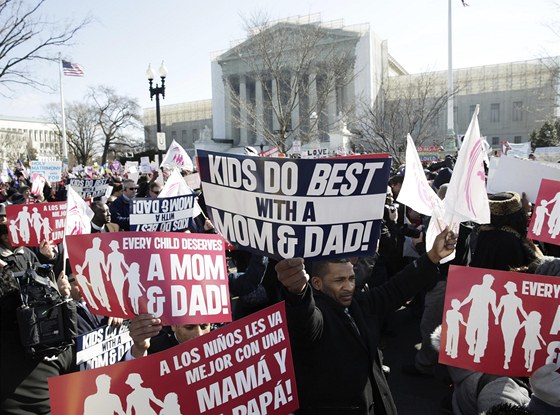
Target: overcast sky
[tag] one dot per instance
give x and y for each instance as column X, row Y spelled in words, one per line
column 126, row 35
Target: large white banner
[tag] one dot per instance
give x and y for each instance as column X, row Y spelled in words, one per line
column 513, row 174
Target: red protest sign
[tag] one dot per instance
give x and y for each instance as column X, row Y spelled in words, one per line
column 498, row 322
column 545, row 222
column 179, row 277
column 28, row 225
column 240, row 369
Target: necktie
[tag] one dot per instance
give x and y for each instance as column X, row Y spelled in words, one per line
column 352, row 321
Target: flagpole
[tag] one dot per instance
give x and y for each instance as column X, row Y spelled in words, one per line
column 64, row 143
column 450, row 122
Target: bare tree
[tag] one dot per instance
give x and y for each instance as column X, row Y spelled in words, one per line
column 299, row 68
column 410, row 104
column 81, row 129
column 13, row 145
column 101, row 122
column 26, row 38
column 118, row 116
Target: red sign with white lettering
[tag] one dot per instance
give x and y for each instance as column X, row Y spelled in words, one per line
column 240, row 369
column 29, row 225
column 179, row 277
column 498, row 322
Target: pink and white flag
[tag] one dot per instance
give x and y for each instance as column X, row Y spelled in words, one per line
column 78, row 214
column 177, row 157
column 466, row 198
column 417, row 194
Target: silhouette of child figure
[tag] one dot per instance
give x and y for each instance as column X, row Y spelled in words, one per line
column 453, row 317
column 533, row 338
column 135, row 287
column 170, row 405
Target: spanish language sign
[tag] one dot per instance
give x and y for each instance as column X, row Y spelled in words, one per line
column 545, row 221
column 522, row 311
column 240, row 369
column 29, row 225
column 163, row 214
column 103, row 347
column 179, row 277
column 296, row 207
column 89, row 188
column 50, row 170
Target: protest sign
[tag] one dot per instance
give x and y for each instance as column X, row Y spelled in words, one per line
column 28, row 225
column 315, row 153
column 103, row 346
column 163, row 214
column 179, row 277
column 145, row 166
column 89, row 188
column 522, row 311
column 240, row 369
column 50, row 170
column 513, row 174
column 545, row 221
column 295, row 207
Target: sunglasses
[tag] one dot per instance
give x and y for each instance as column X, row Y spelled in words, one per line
column 156, row 191
column 131, row 188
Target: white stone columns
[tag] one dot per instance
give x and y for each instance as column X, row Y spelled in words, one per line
column 259, row 111
column 242, row 111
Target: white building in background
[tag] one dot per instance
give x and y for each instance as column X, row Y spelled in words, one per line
column 19, row 135
column 233, row 73
column 515, row 98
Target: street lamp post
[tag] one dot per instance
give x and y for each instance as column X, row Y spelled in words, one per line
column 157, row 91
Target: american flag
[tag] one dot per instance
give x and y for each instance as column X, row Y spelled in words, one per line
column 72, row 69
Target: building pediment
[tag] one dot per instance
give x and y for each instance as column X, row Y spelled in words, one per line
column 287, row 30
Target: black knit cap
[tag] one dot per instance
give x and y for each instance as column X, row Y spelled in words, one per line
column 504, row 203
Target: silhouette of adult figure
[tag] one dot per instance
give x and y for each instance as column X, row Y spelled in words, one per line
column 115, row 272
column 140, row 397
column 481, row 296
column 37, row 222
column 554, row 215
column 510, row 323
column 103, row 401
column 24, row 221
column 94, row 258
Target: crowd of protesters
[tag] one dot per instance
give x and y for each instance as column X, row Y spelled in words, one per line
column 337, row 309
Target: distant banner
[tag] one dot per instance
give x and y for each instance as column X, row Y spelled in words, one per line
column 240, row 369
column 50, row 170
column 521, row 311
column 292, row 207
column 28, row 225
column 179, row 277
column 164, row 214
column 104, row 346
column 89, row 188
column 545, row 221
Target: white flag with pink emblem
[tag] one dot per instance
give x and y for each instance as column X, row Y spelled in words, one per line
column 177, row 157
column 78, row 214
column 416, row 192
column 466, row 198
